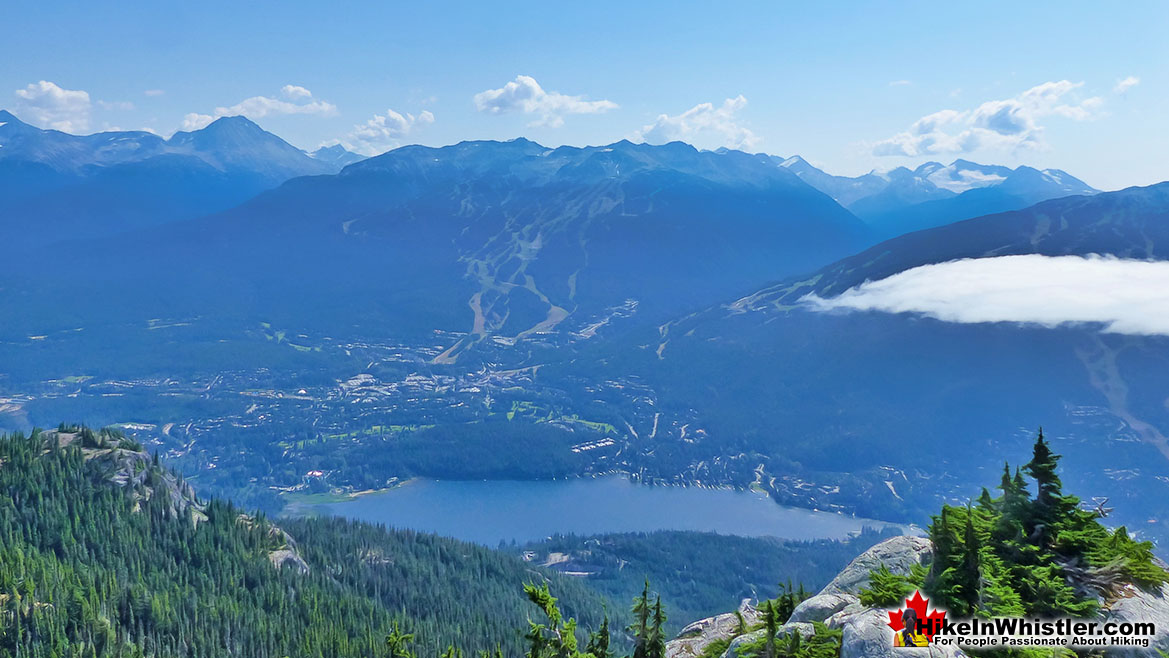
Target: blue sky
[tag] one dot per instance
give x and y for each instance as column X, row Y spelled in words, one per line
column 1078, row 86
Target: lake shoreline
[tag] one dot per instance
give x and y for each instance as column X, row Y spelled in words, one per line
column 490, row 511
column 296, row 503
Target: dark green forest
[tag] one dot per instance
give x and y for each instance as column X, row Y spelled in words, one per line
column 90, row 568
column 701, row 574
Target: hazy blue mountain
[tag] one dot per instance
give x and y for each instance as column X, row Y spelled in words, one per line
column 1018, row 188
column 238, row 144
column 336, row 155
column 1130, row 223
column 484, row 238
column 846, row 190
column 896, row 409
column 901, row 200
column 72, row 154
column 228, row 143
column 60, row 186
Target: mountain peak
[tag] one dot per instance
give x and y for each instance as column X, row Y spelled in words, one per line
column 964, row 164
column 928, row 168
column 237, row 124
column 337, row 155
column 8, row 117
column 799, row 165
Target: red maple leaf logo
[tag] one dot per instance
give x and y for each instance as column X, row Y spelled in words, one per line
column 929, row 621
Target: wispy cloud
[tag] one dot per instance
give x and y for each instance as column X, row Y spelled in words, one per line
column 1120, row 296
column 1126, row 84
column 1007, row 124
column 154, row 92
column 525, row 95
column 383, row 132
column 900, row 83
column 297, row 100
column 116, row 105
column 703, row 124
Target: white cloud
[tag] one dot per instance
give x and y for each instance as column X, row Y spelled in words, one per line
column 153, row 92
column 1126, row 84
column 295, row 92
column 300, row 101
column 50, row 106
column 384, row 131
column 195, row 121
column 703, row 124
column 900, row 83
column 1122, row 296
column 258, row 107
column 1008, row 124
column 526, row 95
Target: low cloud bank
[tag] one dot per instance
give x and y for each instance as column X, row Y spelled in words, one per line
column 1122, row 296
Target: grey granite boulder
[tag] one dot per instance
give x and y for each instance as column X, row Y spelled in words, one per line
column 693, row 639
column 1137, row 605
column 899, row 554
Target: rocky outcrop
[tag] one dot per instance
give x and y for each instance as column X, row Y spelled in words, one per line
column 288, row 558
column 898, row 554
column 802, row 628
column 865, row 630
column 693, row 639
column 286, row 555
column 128, row 467
column 1136, row 605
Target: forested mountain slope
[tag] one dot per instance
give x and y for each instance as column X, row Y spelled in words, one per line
column 480, row 239
column 103, row 553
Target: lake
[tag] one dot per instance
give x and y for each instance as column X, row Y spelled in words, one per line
column 490, row 511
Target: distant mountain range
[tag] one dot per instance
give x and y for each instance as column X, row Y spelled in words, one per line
column 482, row 238
column 55, row 186
column 903, row 200
column 336, row 155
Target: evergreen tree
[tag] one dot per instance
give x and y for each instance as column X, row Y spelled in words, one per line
column 771, row 624
column 398, row 643
column 985, row 501
column 971, row 569
column 1050, row 503
column 1020, row 556
column 657, row 636
column 641, row 625
column 598, row 644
